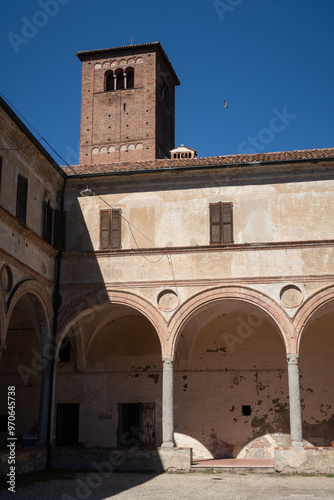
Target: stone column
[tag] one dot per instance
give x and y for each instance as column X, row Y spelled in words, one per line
column 168, row 402
column 115, row 82
column 44, row 403
column 294, row 398
column 125, row 80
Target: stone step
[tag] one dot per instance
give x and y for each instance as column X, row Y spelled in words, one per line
column 234, row 464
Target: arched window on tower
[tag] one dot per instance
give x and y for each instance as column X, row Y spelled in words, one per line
column 120, row 79
column 130, row 78
column 109, row 81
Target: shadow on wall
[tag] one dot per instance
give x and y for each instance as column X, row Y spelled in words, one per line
column 317, row 373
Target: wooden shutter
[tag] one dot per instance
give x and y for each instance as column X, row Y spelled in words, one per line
column 227, row 218
column 221, row 223
column 104, row 229
column 0, row 171
column 21, row 198
column 116, row 229
column 215, row 223
column 110, row 229
column 47, row 221
column 59, row 229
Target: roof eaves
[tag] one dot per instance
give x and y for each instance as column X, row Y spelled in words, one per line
column 198, row 167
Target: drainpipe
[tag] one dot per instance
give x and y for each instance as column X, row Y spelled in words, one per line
column 56, row 305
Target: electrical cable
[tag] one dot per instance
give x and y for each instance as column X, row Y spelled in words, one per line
column 130, row 225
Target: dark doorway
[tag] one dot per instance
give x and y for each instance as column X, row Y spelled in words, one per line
column 67, row 431
column 136, row 424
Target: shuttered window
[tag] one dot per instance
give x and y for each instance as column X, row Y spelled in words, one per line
column 110, row 229
column 21, row 198
column 221, row 223
column 59, row 229
column 47, row 222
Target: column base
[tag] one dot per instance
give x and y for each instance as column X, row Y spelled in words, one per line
column 168, row 444
column 297, row 444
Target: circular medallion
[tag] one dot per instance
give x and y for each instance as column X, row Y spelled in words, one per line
column 6, row 278
column 291, row 296
column 168, row 300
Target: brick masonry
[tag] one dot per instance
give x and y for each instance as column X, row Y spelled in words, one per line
column 133, row 124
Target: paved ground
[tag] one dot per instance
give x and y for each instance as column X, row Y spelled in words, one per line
column 170, row 486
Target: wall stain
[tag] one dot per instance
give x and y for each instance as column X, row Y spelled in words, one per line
column 141, row 368
column 320, row 433
column 154, row 377
column 222, row 349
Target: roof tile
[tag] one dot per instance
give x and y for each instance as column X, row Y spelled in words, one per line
column 209, row 161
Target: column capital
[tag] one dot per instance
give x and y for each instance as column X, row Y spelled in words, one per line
column 293, row 359
column 168, row 360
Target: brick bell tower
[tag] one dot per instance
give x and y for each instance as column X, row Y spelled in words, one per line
column 127, row 104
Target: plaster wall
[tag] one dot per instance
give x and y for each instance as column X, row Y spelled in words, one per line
column 197, row 267
column 178, row 213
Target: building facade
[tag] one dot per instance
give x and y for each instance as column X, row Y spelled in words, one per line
column 189, row 302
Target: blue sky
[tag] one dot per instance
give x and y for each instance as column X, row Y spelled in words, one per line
column 272, row 60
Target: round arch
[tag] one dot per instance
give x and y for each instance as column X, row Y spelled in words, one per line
column 245, row 294
column 42, row 304
column 308, row 309
column 91, row 302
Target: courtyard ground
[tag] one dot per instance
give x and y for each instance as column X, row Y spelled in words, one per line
column 195, row 485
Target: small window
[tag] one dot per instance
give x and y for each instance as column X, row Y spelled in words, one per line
column 110, row 229
column 65, row 351
column 47, row 222
column 165, row 93
column 109, row 81
column 59, row 229
column 21, row 199
column 246, row 410
column 221, row 223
